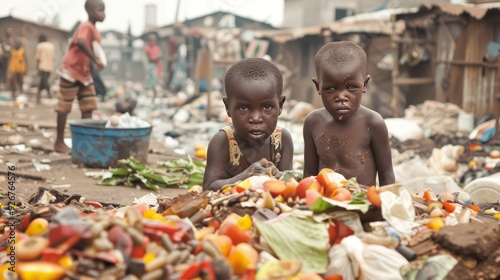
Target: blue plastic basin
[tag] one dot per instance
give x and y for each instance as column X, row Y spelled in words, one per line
column 96, row 146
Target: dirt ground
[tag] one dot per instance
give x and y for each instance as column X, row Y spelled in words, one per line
column 33, row 128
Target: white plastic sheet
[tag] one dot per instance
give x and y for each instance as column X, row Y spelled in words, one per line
column 355, row 260
column 397, row 208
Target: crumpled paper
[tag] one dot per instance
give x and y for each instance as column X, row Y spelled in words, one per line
column 149, row 199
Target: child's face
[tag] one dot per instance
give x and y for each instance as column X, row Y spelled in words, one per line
column 254, row 106
column 96, row 11
column 341, row 87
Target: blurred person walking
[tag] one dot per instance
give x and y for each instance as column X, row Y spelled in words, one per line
column 154, row 69
column 6, row 47
column 17, row 68
column 45, row 56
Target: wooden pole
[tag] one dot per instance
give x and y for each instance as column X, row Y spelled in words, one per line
column 204, row 70
column 395, row 103
column 177, row 11
column 496, row 106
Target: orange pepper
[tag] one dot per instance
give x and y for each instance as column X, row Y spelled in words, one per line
column 236, row 234
column 245, row 223
column 436, row 223
column 40, row 270
column 148, row 257
column 242, row 258
column 474, row 207
column 37, row 227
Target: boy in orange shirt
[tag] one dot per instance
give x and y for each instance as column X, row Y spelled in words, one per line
column 17, row 67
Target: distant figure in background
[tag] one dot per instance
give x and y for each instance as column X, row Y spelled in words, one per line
column 76, row 80
column 154, row 70
column 7, row 46
column 177, row 60
column 45, row 56
column 173, row 43
column 17, row 68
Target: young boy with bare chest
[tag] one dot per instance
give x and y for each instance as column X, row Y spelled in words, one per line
column 253, row 145
column 343, row 135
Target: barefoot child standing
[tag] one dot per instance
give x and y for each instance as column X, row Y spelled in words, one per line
column 76, row 80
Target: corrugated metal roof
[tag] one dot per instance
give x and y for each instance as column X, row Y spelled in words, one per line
column 285, row 35
column 378, row 22
column 382, row 15
column 477, row 11
column 46, row 25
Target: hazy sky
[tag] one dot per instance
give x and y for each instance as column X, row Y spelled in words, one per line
column 119, row 13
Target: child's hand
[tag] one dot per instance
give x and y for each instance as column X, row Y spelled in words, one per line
column 263, row 167
column 99, row 64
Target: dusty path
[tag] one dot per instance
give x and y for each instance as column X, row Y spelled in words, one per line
column 36, row 127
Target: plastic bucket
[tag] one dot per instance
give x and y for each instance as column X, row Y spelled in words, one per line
column 96, row 146
column 485, row 189
column 465, row 122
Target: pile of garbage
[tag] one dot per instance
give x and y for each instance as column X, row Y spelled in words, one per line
column 319, row 227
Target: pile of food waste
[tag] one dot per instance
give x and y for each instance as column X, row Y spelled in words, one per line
column 319, row 227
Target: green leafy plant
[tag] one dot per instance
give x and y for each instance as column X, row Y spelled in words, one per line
column 178, row 173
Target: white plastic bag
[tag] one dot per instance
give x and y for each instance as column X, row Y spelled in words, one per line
column 404, row 129
column 355, row 260
column 397, row 208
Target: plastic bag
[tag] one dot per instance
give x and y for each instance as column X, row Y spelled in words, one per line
column 397, row 208
column 404, row 129
column 355, row 260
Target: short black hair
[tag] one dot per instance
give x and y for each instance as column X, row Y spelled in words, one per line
column 338, row 53
column 89, row 3
column 42, row 37
column 255, row 69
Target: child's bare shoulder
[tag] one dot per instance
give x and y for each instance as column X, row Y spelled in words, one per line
column 318, row 115
column 371, row 116
column 219, row 137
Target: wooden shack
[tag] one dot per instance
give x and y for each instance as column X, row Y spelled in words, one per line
column 461, row 43
column 296, row 48
column 28, row 31
column 223, row 30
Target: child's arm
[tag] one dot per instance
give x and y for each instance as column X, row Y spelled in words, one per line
column 286, row 161
column 216, row 175
column 25, row 62
column 37, row 57
column 382, row 152
column 311, row 159
column 82, row 44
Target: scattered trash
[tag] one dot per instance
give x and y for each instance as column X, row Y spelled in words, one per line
column 149, row 199
column 41, row 167
column 64, row 186
column 126, row 121
column 15, row 139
